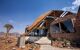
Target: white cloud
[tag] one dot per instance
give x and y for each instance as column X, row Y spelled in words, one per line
column 69, row 8
column 72, row 8
column 76, row 2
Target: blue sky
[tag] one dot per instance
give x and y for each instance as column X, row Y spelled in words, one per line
column 20, row 13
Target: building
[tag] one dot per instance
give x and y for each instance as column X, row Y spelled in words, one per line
column 56, row 24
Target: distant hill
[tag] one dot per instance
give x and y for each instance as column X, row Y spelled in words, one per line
column 12, row 34
column 2, row 33
column 15, row 34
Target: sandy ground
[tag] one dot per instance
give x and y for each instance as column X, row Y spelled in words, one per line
column 12, row 41
column 10, row 44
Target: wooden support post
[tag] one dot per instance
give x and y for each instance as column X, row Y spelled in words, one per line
column 60, row 27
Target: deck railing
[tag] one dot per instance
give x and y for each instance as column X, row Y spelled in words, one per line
column 70, row 36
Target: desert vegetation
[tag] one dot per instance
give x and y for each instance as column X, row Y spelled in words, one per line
column 8, row 41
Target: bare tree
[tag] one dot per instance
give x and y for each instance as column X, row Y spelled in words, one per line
column 8, row 28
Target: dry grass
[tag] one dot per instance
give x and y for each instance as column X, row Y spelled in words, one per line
column 10, row 43
column 7, row 43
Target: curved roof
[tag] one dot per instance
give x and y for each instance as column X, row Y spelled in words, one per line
column 39, row 19
column 53, row 13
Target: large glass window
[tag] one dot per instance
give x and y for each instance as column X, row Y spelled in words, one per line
column 42, row 32
column 66, row 26
column 55, row 28
column 69, row 25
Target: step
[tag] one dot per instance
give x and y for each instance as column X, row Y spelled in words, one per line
column 39, row 40
column 43, row 41
column 32, row 38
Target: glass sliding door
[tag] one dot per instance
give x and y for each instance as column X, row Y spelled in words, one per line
column 63, row 27
column 55, row 28
column 69, row 25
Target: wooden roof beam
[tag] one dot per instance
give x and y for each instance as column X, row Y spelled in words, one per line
column 62, row 19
